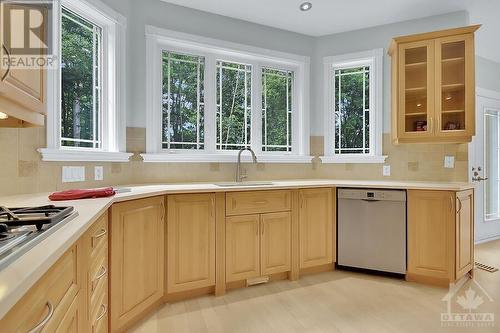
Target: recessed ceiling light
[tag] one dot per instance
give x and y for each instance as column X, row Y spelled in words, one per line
column 305, row 6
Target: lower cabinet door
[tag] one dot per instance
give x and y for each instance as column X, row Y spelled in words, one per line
column 431, row 235
column 317, row 227
column 242, row 247
column 275, row 242
column 137, row 259
column 464, row 233
column 191, row 242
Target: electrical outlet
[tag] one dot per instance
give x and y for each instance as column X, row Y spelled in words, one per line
column 72, row 174
column 449, row 162
column 386, row 170
column 98, row 173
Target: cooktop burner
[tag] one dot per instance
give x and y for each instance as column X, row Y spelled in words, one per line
column 24, row 227
column 37, row 216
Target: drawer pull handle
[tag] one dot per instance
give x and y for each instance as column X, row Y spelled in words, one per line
column 260, row 202
column 101, row 274
column 103, row 312
column 99, row 235
column 459, row 205
column 45, row 320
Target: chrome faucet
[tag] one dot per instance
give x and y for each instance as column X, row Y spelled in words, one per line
column 239, row 176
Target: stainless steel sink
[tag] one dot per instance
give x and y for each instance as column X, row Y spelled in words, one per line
column 234, row 184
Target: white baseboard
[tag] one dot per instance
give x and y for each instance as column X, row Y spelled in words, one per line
column 488, row 239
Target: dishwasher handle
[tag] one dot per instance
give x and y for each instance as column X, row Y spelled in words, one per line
column 370, row 200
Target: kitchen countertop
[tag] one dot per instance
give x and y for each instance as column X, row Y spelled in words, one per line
column 18, row 277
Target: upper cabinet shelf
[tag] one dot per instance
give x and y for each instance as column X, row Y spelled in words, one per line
column 433, row 86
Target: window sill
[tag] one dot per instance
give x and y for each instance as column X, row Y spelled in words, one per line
column 353, row 159
column 222, row 158
column 70, row 155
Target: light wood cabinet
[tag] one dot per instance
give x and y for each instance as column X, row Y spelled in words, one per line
column 258, row 244
column 137, row 259
column 51, row 304
column 433, row 86
column 22, row 91
column 95, row 242
column 191, row 242
column 242, row 247
column 440, row 235
column 316, row 227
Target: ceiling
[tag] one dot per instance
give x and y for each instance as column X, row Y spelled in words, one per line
column 334, row 16
column 326, row 16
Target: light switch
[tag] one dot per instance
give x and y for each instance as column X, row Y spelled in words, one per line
column 98, row 173
column 386, row 170
column 71, row 174
column 449, row 162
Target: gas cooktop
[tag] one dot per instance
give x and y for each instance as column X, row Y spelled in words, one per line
column 24, row 227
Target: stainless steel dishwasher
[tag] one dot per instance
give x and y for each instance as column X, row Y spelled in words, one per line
column 371, row 230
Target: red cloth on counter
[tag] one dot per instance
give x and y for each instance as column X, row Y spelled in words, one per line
column 82, row 194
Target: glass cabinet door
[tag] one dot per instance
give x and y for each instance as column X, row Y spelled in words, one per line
column 416, row 84
column 454, row 84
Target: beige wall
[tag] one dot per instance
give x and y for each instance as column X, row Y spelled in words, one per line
column 22, row 171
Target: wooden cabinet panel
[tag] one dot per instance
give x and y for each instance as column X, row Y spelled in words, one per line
column 242, row 247
column 431, row 230
column 51, row 297
column 464, row 232
column 257, row 202
column 275, row 242
column 316, row 226
column 137, row 252
column 191, row 242
column 71, row 321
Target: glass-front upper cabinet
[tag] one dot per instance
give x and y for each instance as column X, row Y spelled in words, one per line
column 433, row 86
column 416, row 89
column 455, row 91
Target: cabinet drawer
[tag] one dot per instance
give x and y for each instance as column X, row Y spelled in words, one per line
column 98, row 276
column 97, row 235
column 256, row 202
column 49, row 299
column 99, row 313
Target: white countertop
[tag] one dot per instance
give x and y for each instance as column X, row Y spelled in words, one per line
column 18, row 277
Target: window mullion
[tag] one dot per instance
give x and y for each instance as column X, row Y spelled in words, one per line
column 210, row 103
column 256, row 128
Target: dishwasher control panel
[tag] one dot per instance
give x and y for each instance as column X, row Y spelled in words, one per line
column 372, row 194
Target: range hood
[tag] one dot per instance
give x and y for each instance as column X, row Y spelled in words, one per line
column 15, row 115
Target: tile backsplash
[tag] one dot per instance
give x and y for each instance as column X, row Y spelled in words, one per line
column 22, row 171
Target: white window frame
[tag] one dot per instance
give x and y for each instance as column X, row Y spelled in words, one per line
column 158, row 39
column 113, row 134
column 374, row 59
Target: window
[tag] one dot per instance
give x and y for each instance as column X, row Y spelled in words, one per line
column 277, row 106
column 183, row 101
column 353, row 132
column 85, row 95
column 218, row 97
column 234, row 105
column 352, row 110
column 81, row 79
